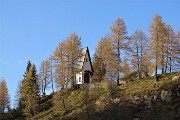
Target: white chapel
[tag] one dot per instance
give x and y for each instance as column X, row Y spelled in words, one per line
column 85, row 67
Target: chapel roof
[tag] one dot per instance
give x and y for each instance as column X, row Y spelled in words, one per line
column 82, row 58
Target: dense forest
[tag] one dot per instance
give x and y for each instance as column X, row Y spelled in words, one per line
column 127, row 70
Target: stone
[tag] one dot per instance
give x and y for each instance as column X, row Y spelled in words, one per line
column 116, row 100
column 155, row 97
column 136, row 98
column 148, row 104
column 168, row 99
column 92, row 85
column 131, row 98
column 121, row 82
column 163, row 92
column 136, row 119
column 178, row 93
column 166, row 96
column 145, row 97
column 175, row 78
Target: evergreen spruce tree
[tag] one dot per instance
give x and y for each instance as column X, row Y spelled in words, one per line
column 29, row 92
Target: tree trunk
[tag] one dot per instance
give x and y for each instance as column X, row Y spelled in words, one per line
column 52, row 86
column 162, row 70
column 156, row 68
column 157, row 79
column 119, row 61
column 63, row 100
column 170, row 67
column 139, row 74
column 52, row 78
column 42, row 86
column 45, row 84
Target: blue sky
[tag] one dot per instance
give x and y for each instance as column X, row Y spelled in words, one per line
column 31, row 29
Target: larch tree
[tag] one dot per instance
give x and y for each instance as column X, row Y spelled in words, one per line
column 99, row 69
column 30, row 92
column 139, row 51
column 110, row 66
column 18, row 101
column 104, row 55
column 66, row 55
column 104, row 66
column 99, row 61
column 169, row 48
column 73, row 55
column 176, row 52
column 157, row 46
column 60, row 74
column 119, row 37
column 4, row 97
column 52, row 72
column 126, row 67
column 59, row 58
column 17, row 95
column 45, row 75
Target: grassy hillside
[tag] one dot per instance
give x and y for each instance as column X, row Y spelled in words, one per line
column 145, row 99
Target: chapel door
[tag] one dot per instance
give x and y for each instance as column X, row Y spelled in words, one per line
column 86, row 78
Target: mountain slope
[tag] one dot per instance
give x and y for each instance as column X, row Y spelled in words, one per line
column 145, row 99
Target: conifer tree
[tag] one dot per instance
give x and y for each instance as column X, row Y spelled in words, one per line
column 45, row 75
column 99, row 69
column 176, row 52
column 126, row 67
column 66, row 56
column 169, row 48
column 73, row 54
column 30, row 92
column 99, row 61
column 60, row 65
column 104, row 55
column 139, row 51
column 51, row 72
column 119, row 33
column 4, row 96
column 17, row 96
column 18, row 113
column 157, row 46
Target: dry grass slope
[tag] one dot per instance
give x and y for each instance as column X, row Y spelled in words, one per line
column 141, row 99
